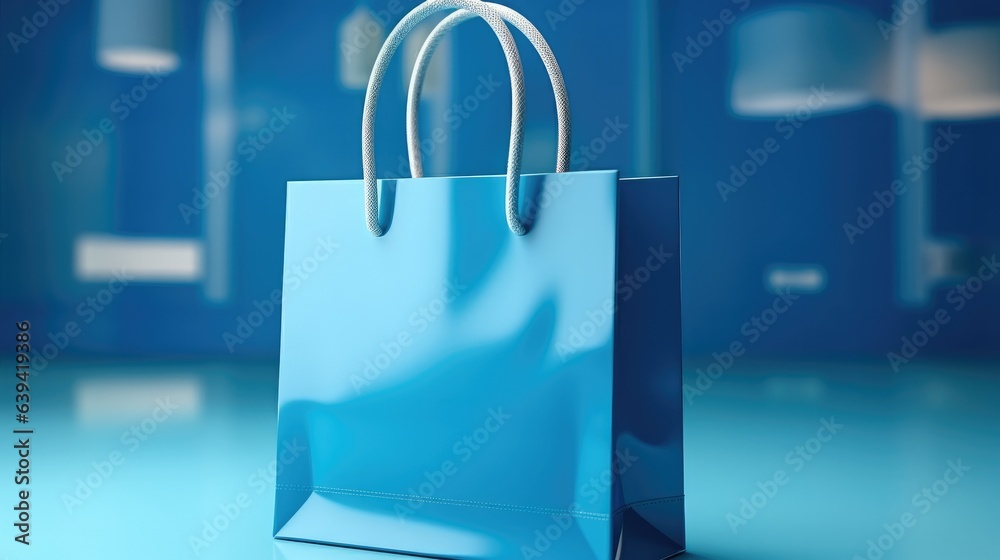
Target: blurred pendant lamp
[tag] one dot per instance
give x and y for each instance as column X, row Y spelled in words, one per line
column 781, row 54
column 136, row 36
column 960, row 73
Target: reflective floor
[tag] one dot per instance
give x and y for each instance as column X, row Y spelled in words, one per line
column 169, row 461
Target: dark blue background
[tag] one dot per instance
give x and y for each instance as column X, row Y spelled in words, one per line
column 287, row 54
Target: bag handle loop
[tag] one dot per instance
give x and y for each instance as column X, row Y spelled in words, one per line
column 392, row 43
column 423, row 62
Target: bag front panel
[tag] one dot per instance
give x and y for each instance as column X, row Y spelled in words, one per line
column 450, row 382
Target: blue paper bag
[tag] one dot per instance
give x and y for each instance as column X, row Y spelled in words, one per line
column 484, row 367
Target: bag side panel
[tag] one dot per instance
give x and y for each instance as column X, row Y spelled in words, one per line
column 648, row 402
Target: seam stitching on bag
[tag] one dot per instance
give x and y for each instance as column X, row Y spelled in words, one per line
column 447, row 501
column 652, row 502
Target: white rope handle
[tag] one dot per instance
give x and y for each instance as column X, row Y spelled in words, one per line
column 392, row 43
column 423, row 62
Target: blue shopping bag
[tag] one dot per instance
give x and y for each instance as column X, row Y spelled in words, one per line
column 483, row 367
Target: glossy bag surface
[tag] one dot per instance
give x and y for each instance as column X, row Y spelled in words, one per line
column 456, row 391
